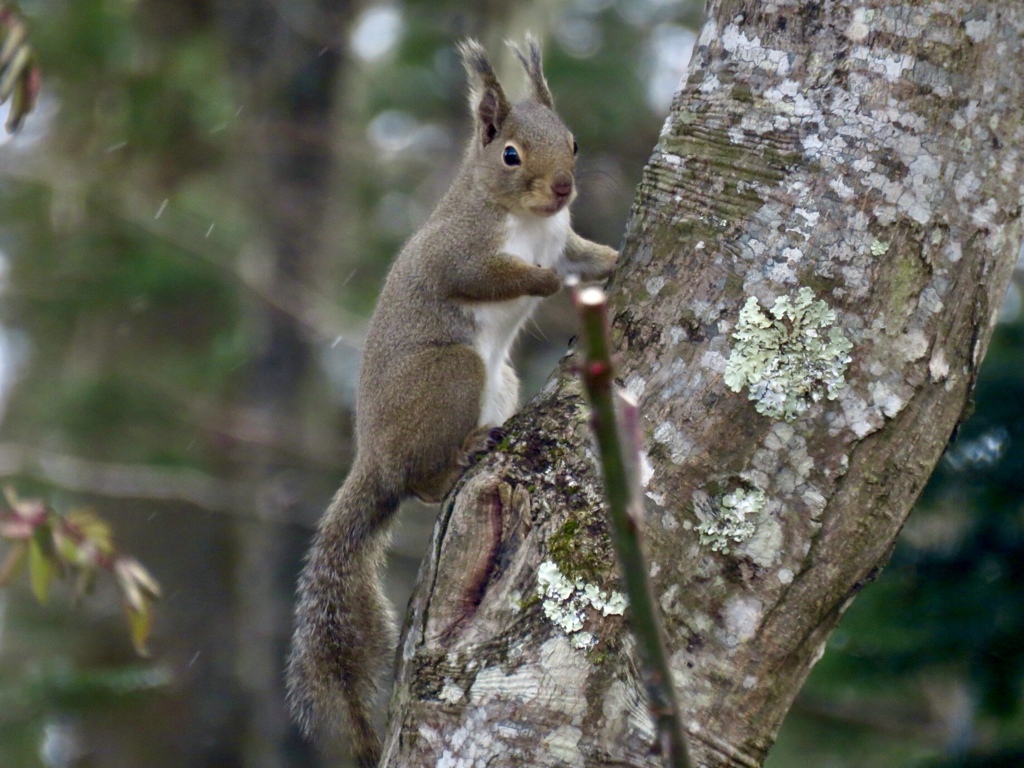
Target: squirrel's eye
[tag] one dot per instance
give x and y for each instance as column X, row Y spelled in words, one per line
column 575, row 147
column 510, row 156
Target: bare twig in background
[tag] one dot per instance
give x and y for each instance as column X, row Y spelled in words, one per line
column 615, row 421
column 135, row 481
column 231, row 423
column 314, row 312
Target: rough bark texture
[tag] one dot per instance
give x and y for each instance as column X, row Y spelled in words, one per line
column 866, row 152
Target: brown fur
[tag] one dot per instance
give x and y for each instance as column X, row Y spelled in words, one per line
column 420, row 390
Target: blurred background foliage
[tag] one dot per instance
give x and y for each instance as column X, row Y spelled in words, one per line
column 194, row 223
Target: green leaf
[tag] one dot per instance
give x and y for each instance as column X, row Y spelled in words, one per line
column 15, row 33
column 68, row 550
column 40, row 569
column 20, row 63
column 93, row 528
column 43, row 535
column 140, row 623
column 139, row 589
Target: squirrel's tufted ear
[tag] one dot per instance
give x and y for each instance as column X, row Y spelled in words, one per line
column 486, row 96
column 532, row 64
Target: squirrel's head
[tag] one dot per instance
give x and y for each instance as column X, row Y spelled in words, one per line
column 521, row 153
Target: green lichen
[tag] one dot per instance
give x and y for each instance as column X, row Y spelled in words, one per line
column 878, row 248
column 568, row 548
column 907, row 274
column 787, row 360
column 733, row 285
column 742, row 92
column 529, row 601
column 731, row 521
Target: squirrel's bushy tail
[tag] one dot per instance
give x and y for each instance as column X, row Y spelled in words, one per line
column 344, row 625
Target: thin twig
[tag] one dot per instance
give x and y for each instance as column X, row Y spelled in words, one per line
column 136, row 481
column 616, row 424
column 315, row 313
column 248, row 427
column 312, row 311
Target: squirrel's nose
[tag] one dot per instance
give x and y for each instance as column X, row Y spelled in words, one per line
column 561, row 186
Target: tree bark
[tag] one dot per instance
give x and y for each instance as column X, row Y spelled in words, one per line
column 860, row 161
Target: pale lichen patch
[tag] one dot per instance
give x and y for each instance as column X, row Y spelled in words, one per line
column 885, row 399
column 912, row 345
column 710, row 85
column 646, row 470
column 788, row 360
column 750, row 50
column 780, row 435
column 450, row 692
column 938, row 367
column 742, row 616
column 782, row 272
column 657, row 498
column 678, row 443
column 730, row 520
column 515, row 601
column 635, row 385
column 859, row 417
column 468, row 744
column 566, row 603
column 563, row 744
column 713, row 361
column 765, row 546
column 670, row 600
column 890, row 67
column 978, row 29
column 858, row 29
column 787, row 99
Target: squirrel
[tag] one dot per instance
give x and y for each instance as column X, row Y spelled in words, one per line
column 436, row 379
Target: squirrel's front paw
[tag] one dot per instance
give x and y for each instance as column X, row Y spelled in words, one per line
column 478, row 442
column 548, row 282
column 605, row 262
column 597, row 262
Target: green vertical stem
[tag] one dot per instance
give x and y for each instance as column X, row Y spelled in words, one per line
column 616, row 424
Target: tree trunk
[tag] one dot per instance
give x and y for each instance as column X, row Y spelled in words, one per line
column 287, row 61
column 848, row 174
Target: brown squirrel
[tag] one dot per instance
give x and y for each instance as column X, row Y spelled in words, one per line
column 435, row 379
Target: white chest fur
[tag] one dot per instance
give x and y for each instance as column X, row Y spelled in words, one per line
column 535, row 239
column 538, row 241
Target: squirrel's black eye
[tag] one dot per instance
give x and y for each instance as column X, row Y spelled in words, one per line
column 510, row 156
column 575, row 147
